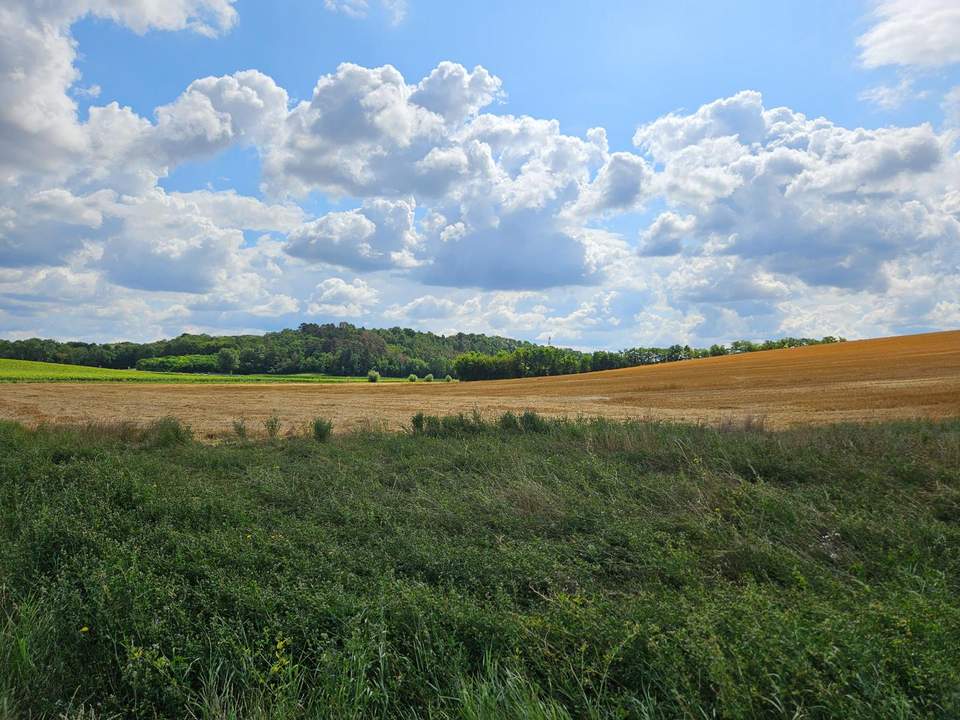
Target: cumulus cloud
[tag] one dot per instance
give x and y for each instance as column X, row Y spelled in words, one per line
column 338, row 298
column 920, row 33
column 455, row 93
column 800, row 197
column 162, row 245
column 733, row 217
column 665, row 235
column 214, row 112
column 376, row 236
column 39, row 128
column 504, row 191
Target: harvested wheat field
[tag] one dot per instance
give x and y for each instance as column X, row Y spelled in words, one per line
column 890, row 378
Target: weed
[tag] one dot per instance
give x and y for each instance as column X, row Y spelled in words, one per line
column 322, row 428
column 533, row 422
column 240, row 428
column 166, row 432
column 272, row 427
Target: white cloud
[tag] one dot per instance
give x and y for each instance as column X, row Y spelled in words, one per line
column 39, row 128
column 455, row 93
column 756, row 214
column 376, row 236
column 338, row 298
column 163, row 245
column 427, row 307
column 395, row 9
column 951, row 107
column 920, row 33
column 804, row 198
column 891, row 97
column 665, row 235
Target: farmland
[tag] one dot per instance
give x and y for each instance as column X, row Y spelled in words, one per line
column 885, row 379
column 178, row 550
column 12, row 371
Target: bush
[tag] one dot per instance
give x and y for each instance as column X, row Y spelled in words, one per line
column 167, row 431
column 418, row 422
column 272, row 426
column 321, row 429
column 448, row 379
column 428, row 377
column 180, row 363
column 532, row 422
column 411, row 377
column 509, row 421
column 373, row 376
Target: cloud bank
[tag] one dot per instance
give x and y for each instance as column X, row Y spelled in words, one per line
column 732, row 219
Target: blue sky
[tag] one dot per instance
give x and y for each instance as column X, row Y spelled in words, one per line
column 440, row 195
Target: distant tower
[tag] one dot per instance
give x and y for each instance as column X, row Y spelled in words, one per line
column 549, row 339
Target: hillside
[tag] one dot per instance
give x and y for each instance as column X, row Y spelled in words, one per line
column 346, row 350
column 885, row 379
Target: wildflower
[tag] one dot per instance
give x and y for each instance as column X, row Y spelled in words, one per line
column 84, row 629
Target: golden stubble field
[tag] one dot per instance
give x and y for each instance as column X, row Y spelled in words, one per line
column 889, row 378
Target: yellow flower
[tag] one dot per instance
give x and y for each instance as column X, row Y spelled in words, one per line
column 84, row 629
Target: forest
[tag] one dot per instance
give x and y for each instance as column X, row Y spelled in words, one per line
column 346, row 350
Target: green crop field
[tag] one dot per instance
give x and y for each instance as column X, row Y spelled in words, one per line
column 517, row 568
column 29, row 371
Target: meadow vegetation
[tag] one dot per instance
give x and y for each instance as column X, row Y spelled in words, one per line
column 509, row 567
column 29, row 371
column 345, row 350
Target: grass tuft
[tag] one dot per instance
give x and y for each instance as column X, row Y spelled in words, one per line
column 322, row 428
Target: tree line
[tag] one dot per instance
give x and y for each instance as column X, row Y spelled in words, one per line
column 335, row 349
column 346, row 350
column 540, row 360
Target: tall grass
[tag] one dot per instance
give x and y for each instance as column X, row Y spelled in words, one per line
column 482, row 568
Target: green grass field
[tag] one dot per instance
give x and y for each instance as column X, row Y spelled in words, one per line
column 518, row 568
column 29, row 371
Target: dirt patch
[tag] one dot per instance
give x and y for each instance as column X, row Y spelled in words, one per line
column 890, row 378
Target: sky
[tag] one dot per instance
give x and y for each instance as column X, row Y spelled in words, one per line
column 599, row 175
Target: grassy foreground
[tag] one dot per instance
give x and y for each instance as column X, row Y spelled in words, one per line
column 29, row 371
column 521, row 568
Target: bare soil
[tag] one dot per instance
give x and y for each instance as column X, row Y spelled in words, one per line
column 889, row 378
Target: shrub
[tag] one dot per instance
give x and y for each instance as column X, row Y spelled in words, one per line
column 509, row 421
column 240, row 428
column 418, row 422
column 428, row 377
column 272, row 426
column 373, row 376
column 532, row 422
column 321, row 429
column 448, row 379
column 167, row 431
column 411, row 377
column 180, row 363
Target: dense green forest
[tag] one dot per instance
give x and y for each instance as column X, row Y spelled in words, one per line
column 341, row 349
column 344, row 349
